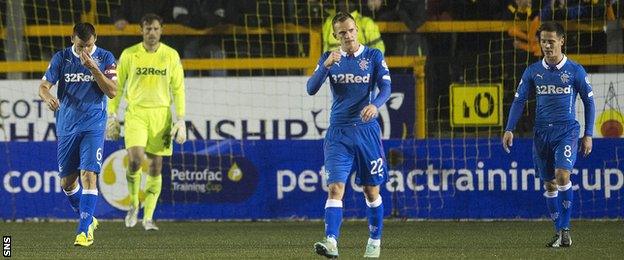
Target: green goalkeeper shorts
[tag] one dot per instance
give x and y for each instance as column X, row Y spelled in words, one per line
column 149, row 128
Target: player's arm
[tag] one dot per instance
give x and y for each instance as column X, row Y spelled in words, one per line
column 383, row 82
column 177, row 91
column 122, row 76
column 321, row 72
column 50, row 77
column 587, row 96
column 113, row 128
column 107, row 85
column 517, row 107
column 45, row 95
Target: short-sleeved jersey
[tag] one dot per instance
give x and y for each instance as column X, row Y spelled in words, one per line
column 555, row 88
column 150, row 78
column 353, row 82
column 83, row 104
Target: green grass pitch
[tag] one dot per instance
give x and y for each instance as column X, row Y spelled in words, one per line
column 294, row 240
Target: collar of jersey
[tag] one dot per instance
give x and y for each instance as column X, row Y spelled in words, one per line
column 357, row 53
column 78, row 56
column 559, row 66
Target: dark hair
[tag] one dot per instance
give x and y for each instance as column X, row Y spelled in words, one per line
column 341, row 17
column 150, row 18
column 551, row 27
column 84, row 31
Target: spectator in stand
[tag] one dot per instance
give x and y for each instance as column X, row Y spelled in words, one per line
column 201, row 15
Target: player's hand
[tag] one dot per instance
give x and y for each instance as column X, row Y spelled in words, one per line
column 333, row 58
column 179, row 131
column 121, row 24
column 586, row 145
column 507, row 141
column 113, row 129
column 369, row 112
column 53, row 103
column 87, row 61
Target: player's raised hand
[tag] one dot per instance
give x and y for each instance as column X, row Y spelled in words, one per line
column 586, row 145
column 87, row 61
column 507, row 141
column 369, row 112
column 113, row 129
column 53, row 103
column 333, row 58
column 179, row 131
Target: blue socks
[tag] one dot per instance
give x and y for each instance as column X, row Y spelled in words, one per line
column 375, row 213
column 74, row 197
column 566, row 196
column 87, row 207
column 559, row 204
column 552, row 202
column 333, row 218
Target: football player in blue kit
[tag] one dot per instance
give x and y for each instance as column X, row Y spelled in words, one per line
column 85, row 75
column 556, row 81
column 354, row 135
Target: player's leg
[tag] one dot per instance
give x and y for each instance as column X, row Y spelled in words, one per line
column 135, row 138
column 72, row 189
column 68, row 156
column 136, row 154
column 153, row 187
column 565, row 157
column 543, row 158
column 338, row 164
column 87, row 223
column 91, row 155
column 375, row 214
column 371, row 172
column 158, row 145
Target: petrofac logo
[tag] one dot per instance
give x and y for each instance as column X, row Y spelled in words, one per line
column 113, row 184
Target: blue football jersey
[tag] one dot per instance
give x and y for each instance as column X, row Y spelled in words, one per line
column 555, row 88
column 353, row 82
column 82, row 103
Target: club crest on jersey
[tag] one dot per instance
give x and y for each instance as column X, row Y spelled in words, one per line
column 565, row 77
column 363, row 64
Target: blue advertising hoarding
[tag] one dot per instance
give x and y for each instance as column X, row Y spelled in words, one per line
column 269, row 179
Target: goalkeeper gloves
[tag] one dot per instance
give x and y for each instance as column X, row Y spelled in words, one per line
column 112, row 127
column 179, row 131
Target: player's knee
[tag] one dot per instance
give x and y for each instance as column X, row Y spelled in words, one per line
column 68, row 185
column 562, row 176
column 550, row 186
column 134, row 164
column 336, row 191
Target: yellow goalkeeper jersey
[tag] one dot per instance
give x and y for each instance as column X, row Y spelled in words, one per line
column 150, row 79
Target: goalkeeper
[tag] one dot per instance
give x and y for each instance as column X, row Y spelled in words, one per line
column 150, row 72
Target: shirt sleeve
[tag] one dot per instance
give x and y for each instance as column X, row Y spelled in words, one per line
column 53, row 72
column 587, row 96
column 521, row 96
column 110, row 67
column 177, row 85
column 320, row 74
column 122, row 75
column 383, row 80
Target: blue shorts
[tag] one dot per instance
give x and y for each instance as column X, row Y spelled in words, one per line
column 360, row 144
column 555, row 147
column 80, row 151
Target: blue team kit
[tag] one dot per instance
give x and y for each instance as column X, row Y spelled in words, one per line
column 556, row 130
column 81, row 117
column 351, row 143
